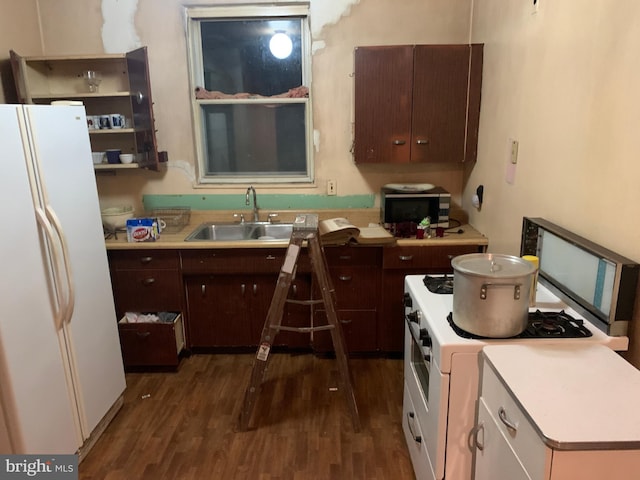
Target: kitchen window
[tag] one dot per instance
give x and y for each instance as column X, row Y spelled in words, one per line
column 250, row 73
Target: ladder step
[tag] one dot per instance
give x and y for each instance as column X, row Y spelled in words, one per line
column 302, row 329
column 304, row 302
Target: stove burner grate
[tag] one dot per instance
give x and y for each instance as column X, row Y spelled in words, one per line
column 558, row 324
column 441, row 285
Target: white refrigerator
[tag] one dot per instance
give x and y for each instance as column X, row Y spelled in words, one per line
column 60, row 360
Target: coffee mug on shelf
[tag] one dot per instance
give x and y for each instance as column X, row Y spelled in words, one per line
column 116, row 120
column 105, row 122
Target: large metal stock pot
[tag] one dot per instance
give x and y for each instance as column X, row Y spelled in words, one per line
column 491, row 294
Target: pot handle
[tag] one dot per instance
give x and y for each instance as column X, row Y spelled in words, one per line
column 485, row 286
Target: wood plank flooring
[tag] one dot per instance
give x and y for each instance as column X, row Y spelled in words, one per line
column 183, row 425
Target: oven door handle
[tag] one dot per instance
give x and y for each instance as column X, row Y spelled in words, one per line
column 410, row 420
column 415, row 335
column 416, row 338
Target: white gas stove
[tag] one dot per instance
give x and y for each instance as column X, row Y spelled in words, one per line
column 442, row 375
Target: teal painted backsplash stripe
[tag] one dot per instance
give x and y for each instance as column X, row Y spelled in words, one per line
column 265, row 201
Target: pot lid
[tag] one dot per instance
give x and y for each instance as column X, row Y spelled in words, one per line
column 492, row 265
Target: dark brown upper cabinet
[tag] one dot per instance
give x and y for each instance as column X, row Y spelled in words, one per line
column 417, row 103
column 124, row 89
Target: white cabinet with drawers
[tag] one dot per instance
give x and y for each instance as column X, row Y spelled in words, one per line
column 557, row 413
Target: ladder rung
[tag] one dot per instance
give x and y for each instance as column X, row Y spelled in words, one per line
column 304, row 302
column 302, row 329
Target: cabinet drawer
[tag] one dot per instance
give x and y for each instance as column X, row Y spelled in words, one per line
column 433, row 258
column 524, row 440
column 147, row 290
column 151, row 344
column 245, row 260
column 346, row 255
column 147, row 259
column 356, row 287
column 358, row 326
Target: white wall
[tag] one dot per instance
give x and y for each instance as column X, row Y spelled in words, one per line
column 564, row 82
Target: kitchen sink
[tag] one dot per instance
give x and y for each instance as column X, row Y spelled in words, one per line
column 220, row 232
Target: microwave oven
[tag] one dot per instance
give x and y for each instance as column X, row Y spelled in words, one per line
column 399, row 206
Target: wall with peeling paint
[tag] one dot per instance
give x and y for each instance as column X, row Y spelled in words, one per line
column 338, row 26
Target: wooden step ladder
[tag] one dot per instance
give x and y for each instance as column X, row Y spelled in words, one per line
column 305, row 228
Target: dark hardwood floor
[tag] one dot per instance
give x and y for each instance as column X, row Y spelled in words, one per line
column 183, row 425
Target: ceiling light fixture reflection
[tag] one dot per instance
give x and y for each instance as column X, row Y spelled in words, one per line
column 280, row 45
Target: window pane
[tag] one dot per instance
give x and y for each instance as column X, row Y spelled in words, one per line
column 237, row 57
column 256, row 139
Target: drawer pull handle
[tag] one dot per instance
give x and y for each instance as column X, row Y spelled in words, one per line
column 345, row 278
column 405, row 258
column 421, row 141
column 255, row 289
column 399, row 142
column 203, row 289
column 503, row 417
column 345, row 257
column 143, row 334
column 346, row 321
column 294, row 290
column 475, row 432
column 149, row 281
column 146, row 259
column 410, row 421
column 243, row 288
column 271, row 257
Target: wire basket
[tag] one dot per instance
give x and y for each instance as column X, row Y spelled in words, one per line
column 176, row 218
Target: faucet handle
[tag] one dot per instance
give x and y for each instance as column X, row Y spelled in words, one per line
column 271, row 217
column 240, row 216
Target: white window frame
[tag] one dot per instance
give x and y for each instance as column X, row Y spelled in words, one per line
column 193, row 16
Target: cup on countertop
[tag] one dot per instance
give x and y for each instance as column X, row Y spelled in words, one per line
column 113, row 155
column 116, row 120
column 126, row 158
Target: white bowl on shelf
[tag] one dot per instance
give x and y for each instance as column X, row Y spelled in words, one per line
column 115, row 218
column 126, row 158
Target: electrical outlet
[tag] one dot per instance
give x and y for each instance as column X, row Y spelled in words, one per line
column 332, row 187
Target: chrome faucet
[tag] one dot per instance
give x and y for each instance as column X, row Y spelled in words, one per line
column 255, row 202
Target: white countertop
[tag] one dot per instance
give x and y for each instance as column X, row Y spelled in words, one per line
column 577, row 396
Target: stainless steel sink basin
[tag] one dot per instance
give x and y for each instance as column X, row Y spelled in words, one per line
column 219, row 232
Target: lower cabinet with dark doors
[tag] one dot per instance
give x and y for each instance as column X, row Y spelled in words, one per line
column 224, row 295
column 229, row 291
column 355, row 275
column 148, row 281
column 397, row 262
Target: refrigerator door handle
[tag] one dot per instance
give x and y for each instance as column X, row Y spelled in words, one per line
column 50, row 224
column 68, row 273
column 58, row 314
column 64, row 247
